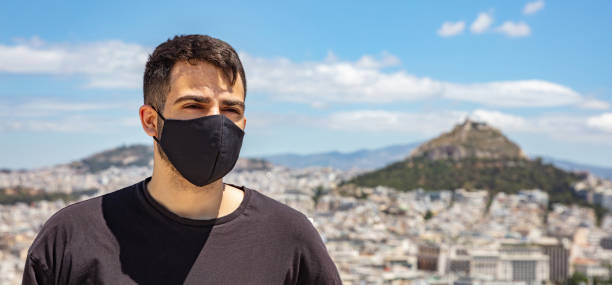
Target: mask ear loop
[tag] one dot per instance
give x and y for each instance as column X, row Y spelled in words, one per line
column 164, row 119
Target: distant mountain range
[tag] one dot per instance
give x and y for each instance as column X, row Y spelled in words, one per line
column 142, row 155
column 364, row 159
column 603, row 172
column 369, row 159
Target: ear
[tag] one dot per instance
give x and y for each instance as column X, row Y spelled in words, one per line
column 148, row 120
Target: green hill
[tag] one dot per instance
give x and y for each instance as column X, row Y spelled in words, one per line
column 473, row 155
column 123, row 156
column 496, row 175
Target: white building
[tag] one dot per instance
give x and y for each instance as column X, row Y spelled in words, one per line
column 523, row 262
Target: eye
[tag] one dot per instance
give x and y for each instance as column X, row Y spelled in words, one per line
column 192, row 106
column 233, row 110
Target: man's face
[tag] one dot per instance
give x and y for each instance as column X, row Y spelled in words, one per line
column 196, row 90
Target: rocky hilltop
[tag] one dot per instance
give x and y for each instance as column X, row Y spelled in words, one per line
column 470, row 139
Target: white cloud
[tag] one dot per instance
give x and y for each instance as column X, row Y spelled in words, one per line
column 369, row 79
column 533, row 7
column 561, row 127
column 506, row 122
column 49, row 115
column 109, row 64
column 566, row 127
column 41, row 107
column 522, row 93
column 482, row 23
column 512, row 29
column 589, row 103
column 426, row 123
column 602, row 122
column 333, row 80
column 67, row 124
column 366, row 61
column 451, row 28
column 429, row 123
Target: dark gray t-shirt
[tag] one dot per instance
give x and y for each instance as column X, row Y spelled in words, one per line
column 126, row 237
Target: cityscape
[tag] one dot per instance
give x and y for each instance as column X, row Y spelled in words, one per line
column 391, row 237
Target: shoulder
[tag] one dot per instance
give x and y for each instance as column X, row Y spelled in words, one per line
column 275, row 209
column 83, row 213
column 71, row 216
column 71, row 222
column 54, row 238
column 284, row 217
column 314, row 264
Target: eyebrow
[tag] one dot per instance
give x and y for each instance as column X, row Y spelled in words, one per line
column 229, row 102
column 199, row 99
column 204, row 100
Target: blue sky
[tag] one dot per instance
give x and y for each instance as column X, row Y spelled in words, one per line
column 322, row 76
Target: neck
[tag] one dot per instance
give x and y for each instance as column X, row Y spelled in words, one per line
column 179, row 196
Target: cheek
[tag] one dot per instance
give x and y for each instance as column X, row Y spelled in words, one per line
column 241, row 123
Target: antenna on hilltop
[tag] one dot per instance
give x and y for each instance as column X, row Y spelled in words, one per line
column 466, row 120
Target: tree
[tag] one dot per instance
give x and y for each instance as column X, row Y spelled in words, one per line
column 578, row 278
column 428, row 215
column 319, row 191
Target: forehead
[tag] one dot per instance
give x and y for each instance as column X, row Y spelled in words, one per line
column 204, row 77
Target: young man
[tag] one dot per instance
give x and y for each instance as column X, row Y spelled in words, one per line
column 183, row 225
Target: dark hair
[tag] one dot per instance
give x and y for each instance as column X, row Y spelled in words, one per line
column 190, row 48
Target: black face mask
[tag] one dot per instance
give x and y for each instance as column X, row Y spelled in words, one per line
column 203, row 149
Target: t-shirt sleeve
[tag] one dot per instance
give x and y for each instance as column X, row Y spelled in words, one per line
column 315, row 266
column 34, row 273
column 46, row 256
